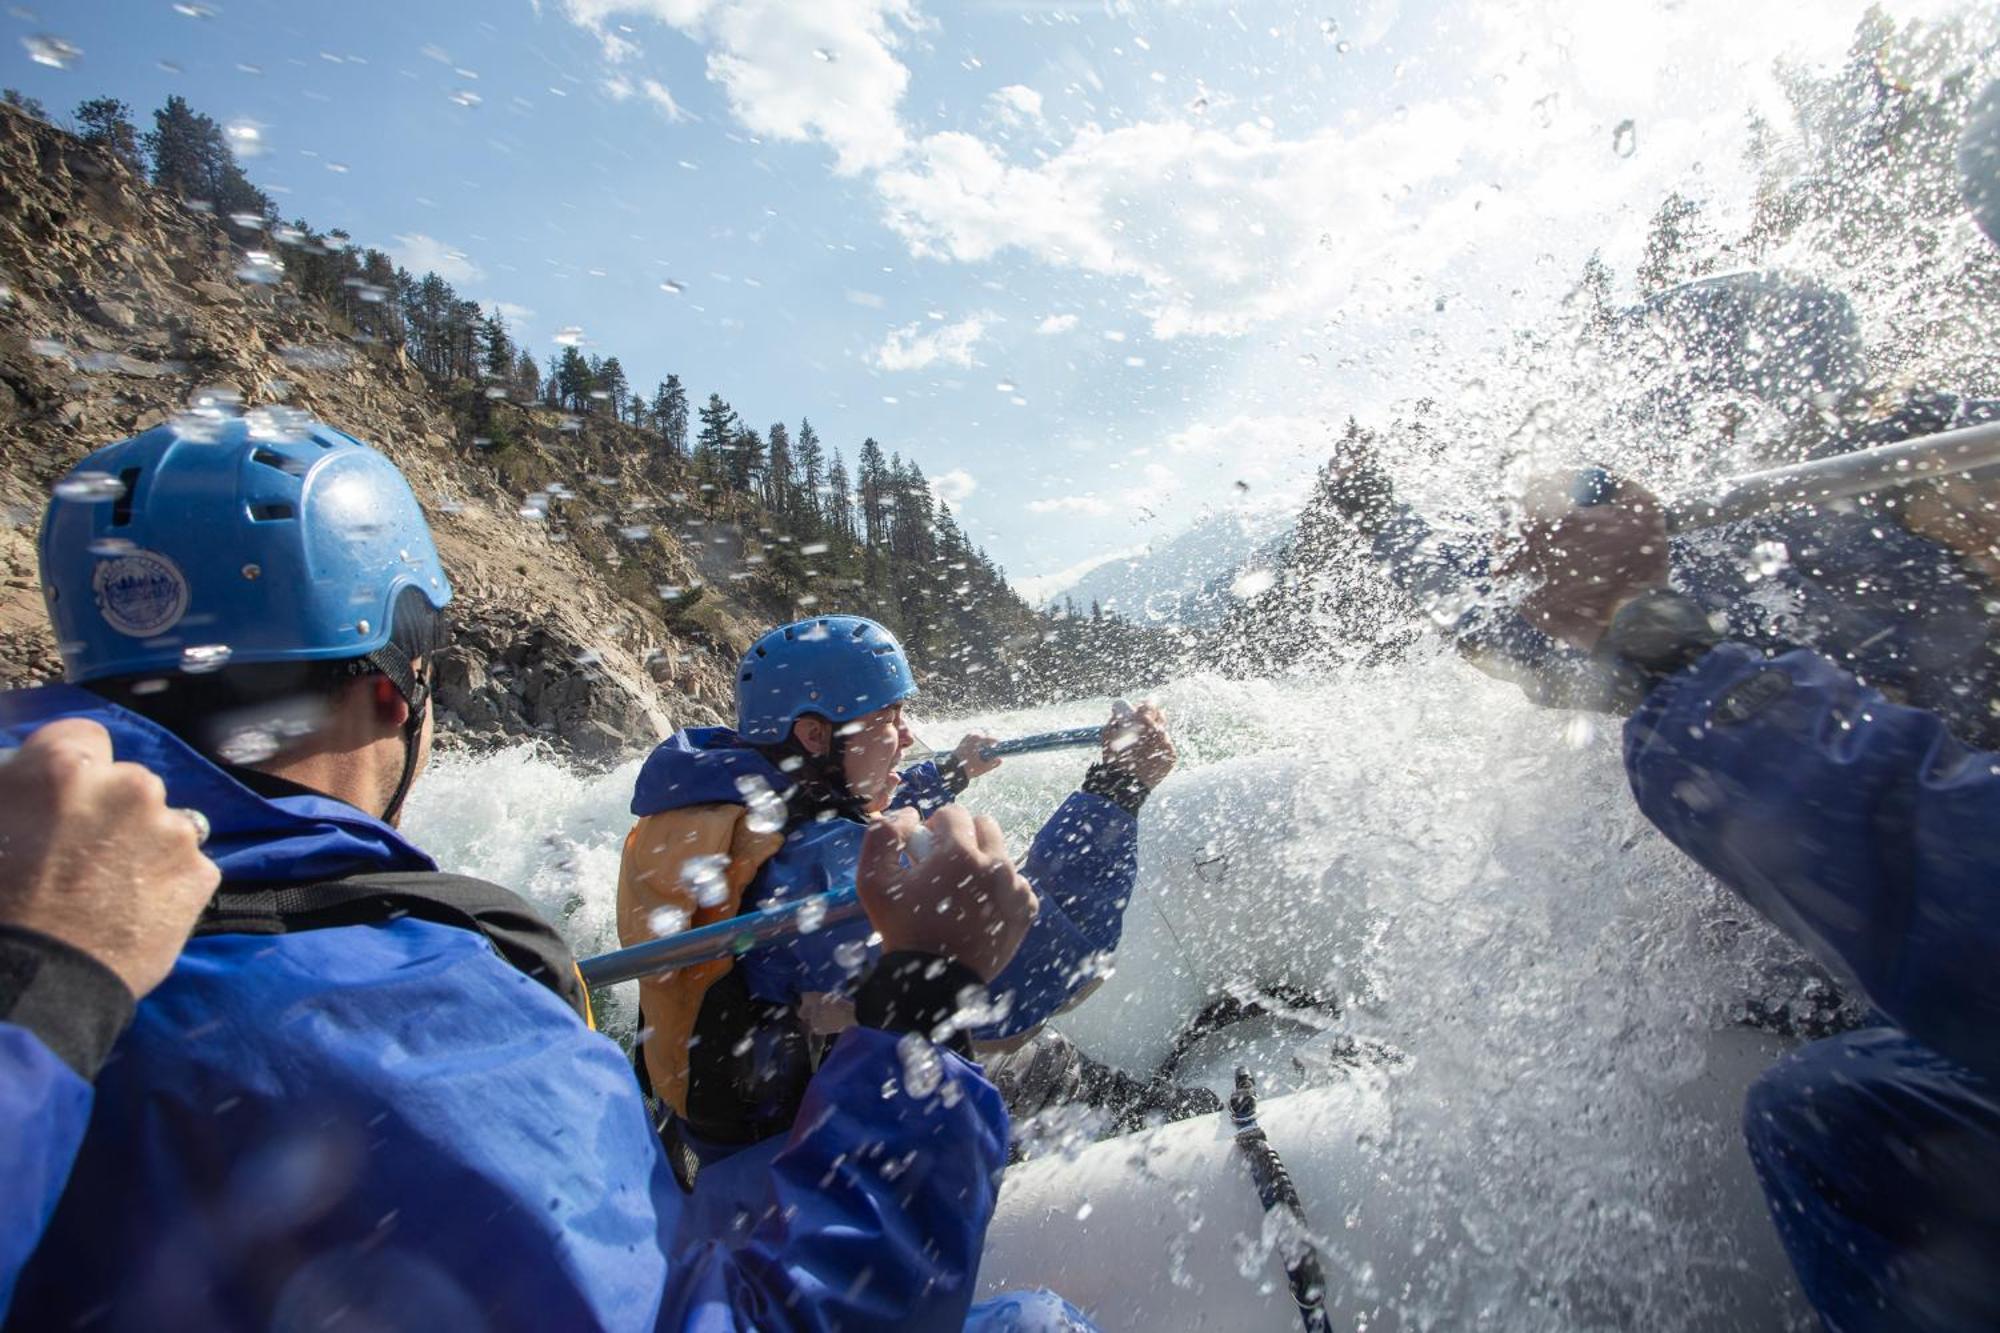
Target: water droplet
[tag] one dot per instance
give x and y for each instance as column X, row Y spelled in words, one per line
column 196, row 11
column 813, row 548
column 111, row 547
column 48, row 347
column 89, row 486
column 707, row 878
column 246, row 137
column 1083, row 1211
column 923, row 1070
column 570, row 335
column 203, row 658
column 851, row 955
column 1005, row 386
column 1252, row 583
column 466, row 97
column 262, row 267
column 673, row 288
column 1329, row 29
column 248, row 221
column 822, row 54
column 667, row 921
column 1625, row 139
column 767, row 812
column 1770, row 558
column 636, row 532
column 811, row 914
column 48, row 49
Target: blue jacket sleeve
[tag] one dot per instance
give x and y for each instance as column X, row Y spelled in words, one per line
column 923, row 789
column 878, row 1204
column 1083, row 865
column 1859, row 827
column 44, row 1108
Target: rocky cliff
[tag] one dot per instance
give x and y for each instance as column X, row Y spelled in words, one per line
column 120, row 306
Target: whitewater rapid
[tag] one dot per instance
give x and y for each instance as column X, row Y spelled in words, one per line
column 1535, row 979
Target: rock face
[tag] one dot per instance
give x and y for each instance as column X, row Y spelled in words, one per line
column 117, row 304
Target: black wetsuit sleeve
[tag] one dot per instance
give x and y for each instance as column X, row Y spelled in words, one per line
column 75, row 1005
column 1117, row 786
column 916, row 992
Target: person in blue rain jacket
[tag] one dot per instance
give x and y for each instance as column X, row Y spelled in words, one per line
column 1897, row 594
column 1869, row 834
column 368, row 1091
column 777, row 807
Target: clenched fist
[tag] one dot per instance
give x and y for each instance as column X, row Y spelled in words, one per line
column 946, row 887
column 91, row 854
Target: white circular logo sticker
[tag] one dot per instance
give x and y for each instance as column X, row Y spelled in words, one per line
column 140, row 593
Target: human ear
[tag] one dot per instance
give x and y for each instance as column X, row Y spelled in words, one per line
column 814, row 733
column 390, row 705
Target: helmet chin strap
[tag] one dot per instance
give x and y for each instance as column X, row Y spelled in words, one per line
column 395, row 664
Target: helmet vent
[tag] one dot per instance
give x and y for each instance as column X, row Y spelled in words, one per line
column 271, row 513
column 121, row 511
column 272, row 458
column 860, row 630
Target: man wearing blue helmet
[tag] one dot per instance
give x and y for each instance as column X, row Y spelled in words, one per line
column 368, row 1091
column 733, row 820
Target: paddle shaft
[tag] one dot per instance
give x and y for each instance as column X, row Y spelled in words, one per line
column 1924, row 458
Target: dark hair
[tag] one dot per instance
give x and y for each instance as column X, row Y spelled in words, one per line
column 242, row 714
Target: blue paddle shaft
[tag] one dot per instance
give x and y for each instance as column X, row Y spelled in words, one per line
column 718, row 939
column 1074, row 739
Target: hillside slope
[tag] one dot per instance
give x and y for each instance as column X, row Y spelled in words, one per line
column 121, row 304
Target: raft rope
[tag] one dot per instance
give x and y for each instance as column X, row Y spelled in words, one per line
column 1275, row 1190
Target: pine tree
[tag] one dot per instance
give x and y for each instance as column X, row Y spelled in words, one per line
column 718, row 434
column 1679, row 247
column 527, row 380
column 670, row 411
column 572, row 380
column 778, row 471
column 840, row 501
column 746, row 460
column 611, row 383
column 496, row 349
column 811, row 470
column 106, row 121
column 871, row 480
column 192, row 158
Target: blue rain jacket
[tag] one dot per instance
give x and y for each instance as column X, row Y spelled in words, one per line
column 1083, row 864
column 1900, row 611
column 44, row 1109
column 390, row 1121
column 1869, row 834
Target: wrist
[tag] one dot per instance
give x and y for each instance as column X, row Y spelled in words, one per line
column 1120, row 786
column 910, row 990
column 72, row 1002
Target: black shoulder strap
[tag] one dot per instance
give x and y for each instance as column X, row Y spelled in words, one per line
column 514, row 928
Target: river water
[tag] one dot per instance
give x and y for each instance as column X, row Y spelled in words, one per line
column 1530, row 972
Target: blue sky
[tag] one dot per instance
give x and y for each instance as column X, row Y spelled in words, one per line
column 1092, row 265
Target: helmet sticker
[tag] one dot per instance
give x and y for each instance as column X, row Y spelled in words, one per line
column 141, row 593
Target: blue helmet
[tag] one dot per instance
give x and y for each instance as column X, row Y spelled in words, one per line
column 245, row 542
column 840, row 667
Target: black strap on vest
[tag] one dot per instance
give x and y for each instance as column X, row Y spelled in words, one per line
column 510, row 924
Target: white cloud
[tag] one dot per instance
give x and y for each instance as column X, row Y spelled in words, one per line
column 422, row 254
column 908, row 349
column 1088, row 505
column 1017, row 103
column 658, row 94
column 823, row 72
column 1056, row 324
column 954, row 486
column 516, row 317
